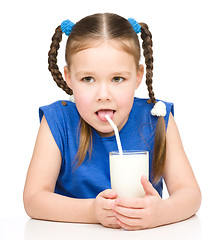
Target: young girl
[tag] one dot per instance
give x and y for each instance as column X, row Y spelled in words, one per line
column 68, row 178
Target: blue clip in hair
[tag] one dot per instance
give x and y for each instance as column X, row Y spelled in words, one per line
column 136, row 26
column 66, row 27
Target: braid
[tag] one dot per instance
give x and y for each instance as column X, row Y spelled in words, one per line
column 52, row 61
column 159, row 154
column 148, row 54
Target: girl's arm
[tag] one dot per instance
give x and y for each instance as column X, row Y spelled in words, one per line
column 185, row 195
column 41, row 202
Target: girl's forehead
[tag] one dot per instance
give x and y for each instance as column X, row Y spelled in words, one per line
column 115, row 43
column 104, row 47
column 107, row 49
column 103, row 57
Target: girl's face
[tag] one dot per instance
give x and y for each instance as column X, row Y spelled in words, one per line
column 104, row 79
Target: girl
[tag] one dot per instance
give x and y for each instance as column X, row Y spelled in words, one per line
column 68, row 178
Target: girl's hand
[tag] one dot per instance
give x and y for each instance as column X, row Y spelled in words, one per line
column 140, row 213
column 103, row 208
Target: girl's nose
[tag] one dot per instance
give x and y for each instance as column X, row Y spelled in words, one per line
column 103, row 92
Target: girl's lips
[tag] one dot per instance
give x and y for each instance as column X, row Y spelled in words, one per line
column 102, row 112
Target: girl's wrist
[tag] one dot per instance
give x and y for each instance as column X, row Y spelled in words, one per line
column 163, row 208
column 92, row 210
column 167, row 211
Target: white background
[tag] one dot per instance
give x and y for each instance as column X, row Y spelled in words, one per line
column 26, row 28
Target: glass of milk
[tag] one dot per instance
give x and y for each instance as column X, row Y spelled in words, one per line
column 126, row 171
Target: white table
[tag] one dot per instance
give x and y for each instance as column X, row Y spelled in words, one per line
column 29, row 229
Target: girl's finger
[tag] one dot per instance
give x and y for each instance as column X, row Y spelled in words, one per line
column 116, row 226
column 112, row 222
column 148, row 188
column 108, row 204
column 108, row 194
column 109, row 213
column 129, row 228
column 129, row 212
column 129, row 221
column 130, row 202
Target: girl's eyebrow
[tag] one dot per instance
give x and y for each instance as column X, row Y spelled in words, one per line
column 83, row 73
column 121, row 73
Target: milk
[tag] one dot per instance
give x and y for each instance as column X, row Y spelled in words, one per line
column 126, row 171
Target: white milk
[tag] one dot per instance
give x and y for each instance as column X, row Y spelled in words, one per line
column 126, row 171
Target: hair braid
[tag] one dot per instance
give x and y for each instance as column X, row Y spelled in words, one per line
column 148, row 54
column 159, row 154
column 52, row 61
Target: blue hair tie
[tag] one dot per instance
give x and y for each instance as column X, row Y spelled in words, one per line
column 66, row 27
column 136, row 26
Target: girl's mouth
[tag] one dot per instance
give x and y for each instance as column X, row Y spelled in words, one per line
column 102, row 112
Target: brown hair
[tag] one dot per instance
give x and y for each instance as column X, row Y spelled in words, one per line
column 109, row 26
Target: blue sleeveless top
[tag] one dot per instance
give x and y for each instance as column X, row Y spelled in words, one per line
column 93, row 176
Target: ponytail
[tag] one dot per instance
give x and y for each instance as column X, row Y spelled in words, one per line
column 85, row 142
column 159, row 152
column 52, row 61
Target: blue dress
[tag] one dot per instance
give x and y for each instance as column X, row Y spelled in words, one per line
column 93, row 176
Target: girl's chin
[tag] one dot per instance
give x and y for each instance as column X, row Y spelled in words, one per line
column 105, row 133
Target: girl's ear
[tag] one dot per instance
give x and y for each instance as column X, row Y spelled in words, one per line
column 140, row 73
column 67, row 76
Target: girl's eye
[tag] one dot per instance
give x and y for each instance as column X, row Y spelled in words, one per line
column 88, row 79
column 118, row 79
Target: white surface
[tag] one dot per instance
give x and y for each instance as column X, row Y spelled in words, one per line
column 26, row 83
column 29, row 229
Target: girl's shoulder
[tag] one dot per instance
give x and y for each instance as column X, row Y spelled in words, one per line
column 59, row 110
column 62, row 118
column 143, row 108
column 143, row 103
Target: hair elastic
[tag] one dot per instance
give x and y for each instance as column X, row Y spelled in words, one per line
column 159, row 109
column 136, row 26
column 66, row 27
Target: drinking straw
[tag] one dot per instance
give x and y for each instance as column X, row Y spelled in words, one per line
column 116, row 134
